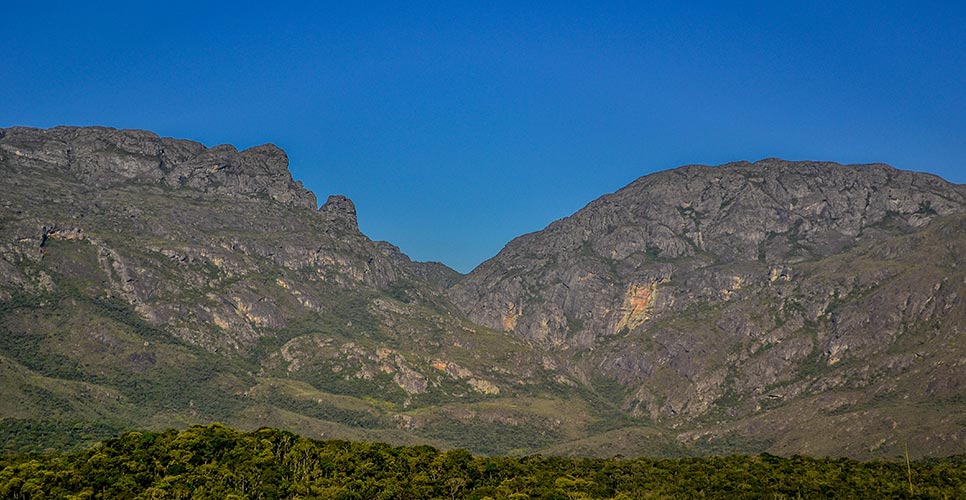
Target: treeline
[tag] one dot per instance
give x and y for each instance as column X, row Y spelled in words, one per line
column 219, row 463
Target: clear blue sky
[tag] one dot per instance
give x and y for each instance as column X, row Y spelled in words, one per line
column 458, row 126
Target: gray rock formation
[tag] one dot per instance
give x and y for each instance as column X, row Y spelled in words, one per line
column 433, row 272
column 105, row 157
column 341, row 211
column 149, row 283
column 773, row 300
column 788, row 307
column 574, row 281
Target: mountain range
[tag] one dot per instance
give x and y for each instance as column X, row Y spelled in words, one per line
column 775, row 306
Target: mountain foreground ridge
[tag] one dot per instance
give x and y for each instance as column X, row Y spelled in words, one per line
column 776, row 306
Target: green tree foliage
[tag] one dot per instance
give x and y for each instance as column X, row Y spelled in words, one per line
column 218, row 462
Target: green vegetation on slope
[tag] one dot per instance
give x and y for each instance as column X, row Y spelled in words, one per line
column 772, row 307
column 77, row 368
column 218, row 462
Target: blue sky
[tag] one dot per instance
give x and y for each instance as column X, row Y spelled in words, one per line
column 458, row 126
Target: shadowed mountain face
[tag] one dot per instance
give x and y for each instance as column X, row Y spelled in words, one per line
column 789, row 307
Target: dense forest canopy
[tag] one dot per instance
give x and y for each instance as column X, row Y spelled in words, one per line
column 218, row 462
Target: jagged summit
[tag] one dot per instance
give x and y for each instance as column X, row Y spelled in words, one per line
column 103, row 157
column 340, row 210
column 774, row 306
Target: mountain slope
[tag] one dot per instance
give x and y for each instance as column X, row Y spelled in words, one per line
column 150, row 282
column 770, row 213
column 755, row 298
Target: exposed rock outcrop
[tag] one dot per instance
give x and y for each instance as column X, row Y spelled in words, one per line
column 770, row 306
column 674, row 226
column 433, row 272
column 720, row 292
column 341, row 211
column 105, row 157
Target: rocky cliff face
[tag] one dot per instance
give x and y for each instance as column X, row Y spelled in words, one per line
column 750, row 290
column 611, row 265
column 103, row 157
column 187, row 283
column 180, row 228
column 776, row 306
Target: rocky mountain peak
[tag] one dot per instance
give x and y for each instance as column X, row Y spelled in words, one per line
column 771, row 306
column 773, row 210
column 105, row 157
column 340, row 210
column 589, row 269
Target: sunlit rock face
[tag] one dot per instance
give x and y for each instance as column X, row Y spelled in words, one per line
column 624, row 258
column 104, row 157
column 725, row 290
column 772, row 306
column 219, row 247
